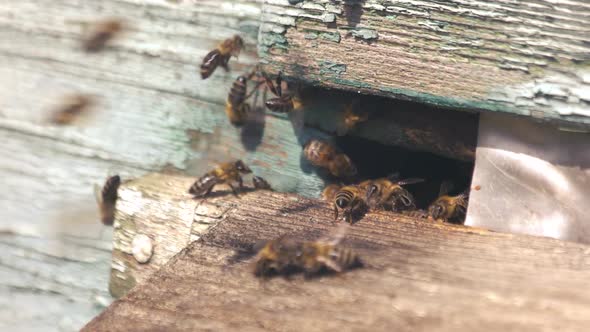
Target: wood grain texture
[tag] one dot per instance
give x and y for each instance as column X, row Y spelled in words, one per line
column 417, row 276
column 522, row 57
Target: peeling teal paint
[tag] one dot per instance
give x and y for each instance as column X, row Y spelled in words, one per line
column 311, row 36
column 367, row 34
column 330, row 68
column 331, row 36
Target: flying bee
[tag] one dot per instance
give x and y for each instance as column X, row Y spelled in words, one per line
column 101, row 33
column 351, row 118
column 322, row 154
column 330, row 191
column 349, row 200
column 236, row 107
column 283, row 103
column 106, row 197
column 71, row 108
column 226, row 173
column 221, row 55
column 449, row 208
column 388, row 194
column 261, row 183
column 286, row 255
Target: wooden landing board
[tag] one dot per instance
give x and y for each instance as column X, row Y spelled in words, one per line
column 418, row 276
column 528, row 57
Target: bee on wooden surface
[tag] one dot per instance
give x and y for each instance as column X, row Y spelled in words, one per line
column 284, row 102
column 322, row 154
column 236, row 107
column 388, row 194
column 226, row 173
column 349, row 200
column 260, row 183
column 106, row 197
column 351, row 118
column 101, row 33
column 449, row 208
column 72, row 108
column 330, row 191
column 221, row 55
column 286, row 255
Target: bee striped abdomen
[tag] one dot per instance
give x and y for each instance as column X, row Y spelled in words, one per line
column 345, row 257
column 203, row 185
column 280, row 105
column 237, row 93
column 109, row 190
column 210, row 63
column 345, row 196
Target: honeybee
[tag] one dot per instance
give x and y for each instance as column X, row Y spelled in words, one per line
column 236, row 107
column 388, row 193
column 226, row 173
column 449, row 208
column 106, row 197
column 101, row 33
column 71, row 108
column 351, row 118
column 286, row 255
column 221, row 55
column 322, row 154
column 330, row 191
column 283, row 103
column 260, row 183
column 349, row 200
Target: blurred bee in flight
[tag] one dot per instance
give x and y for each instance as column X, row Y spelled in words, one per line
column 449, row 208
column 260, row 183
column 351, row 117
column 286, row 255
column 227, row 173
column 284, row 102
column 349, row 201
column 106, row 197
column 221, row 55
column 322, row 154
column 101, row 33
column 388, row 193
column 71, row 108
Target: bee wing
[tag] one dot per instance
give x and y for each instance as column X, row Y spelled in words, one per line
column 98, row 193
column 335, row 236
column 409, row 181
column 445, row 187
column 269, row 84
column 393, row 177
column 330, row 263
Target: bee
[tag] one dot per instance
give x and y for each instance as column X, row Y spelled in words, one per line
column 236, row 107
column 388, row 194
column 283, row 103
column 351, row 118
column 349, row 200
column 106, row 197
column 322, row 154
column 449, row 208
column 330, row 191
column 101, row 33
column 226, row 173
column 72, row 107
column 286, row 255
column 260, row 183
column 221, row 55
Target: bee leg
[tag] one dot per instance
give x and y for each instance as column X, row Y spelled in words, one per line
column 224, row 62
column 234, row 191
column 335, row 213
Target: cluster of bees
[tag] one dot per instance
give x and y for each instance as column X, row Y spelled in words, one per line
column 286, row 255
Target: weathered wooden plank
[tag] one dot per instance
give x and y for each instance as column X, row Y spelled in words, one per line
column 417, row 275
column 526, row 57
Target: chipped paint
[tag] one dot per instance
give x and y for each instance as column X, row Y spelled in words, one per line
column 366, row 34
column 327, row 67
